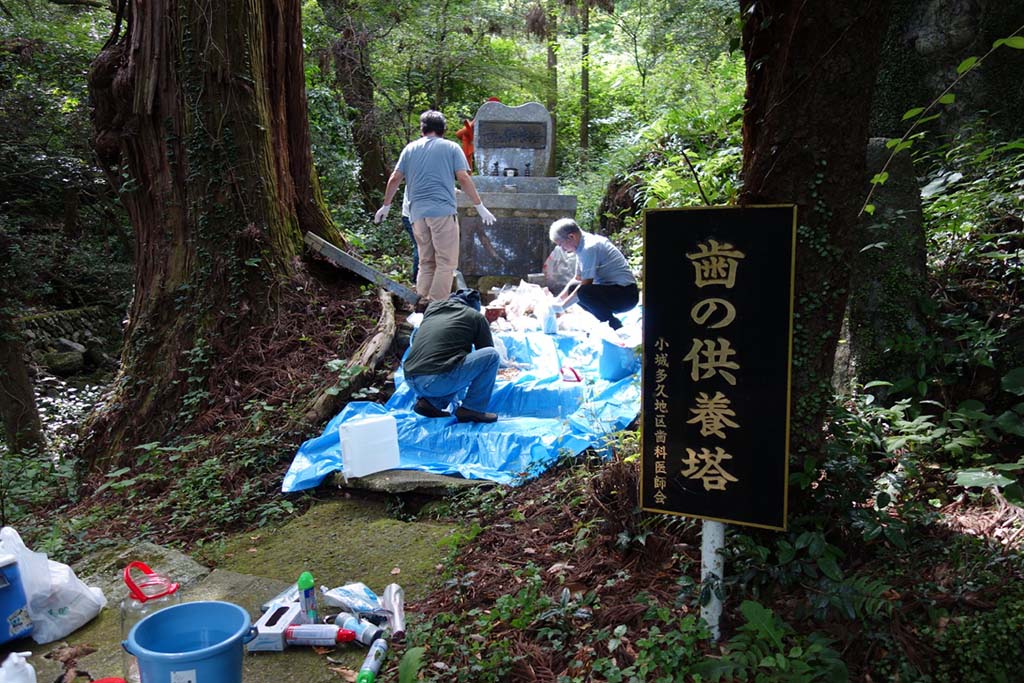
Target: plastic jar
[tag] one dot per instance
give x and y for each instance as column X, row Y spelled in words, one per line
column 148, row 593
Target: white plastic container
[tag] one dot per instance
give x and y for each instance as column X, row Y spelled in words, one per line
column 368, row 445
column 16, row 669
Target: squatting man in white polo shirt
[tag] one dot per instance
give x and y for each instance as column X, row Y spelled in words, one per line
column 603, row 283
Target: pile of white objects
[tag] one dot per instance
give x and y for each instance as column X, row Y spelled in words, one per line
column 532, row 308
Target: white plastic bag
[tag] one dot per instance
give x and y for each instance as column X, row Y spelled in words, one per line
column 59, row 603
column 559, row 268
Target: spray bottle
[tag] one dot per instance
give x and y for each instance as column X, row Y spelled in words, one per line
column 16, row 669
column 371, row 665
column 366, row 632
column 307, row 598
column 393, row 601
column 321, row 635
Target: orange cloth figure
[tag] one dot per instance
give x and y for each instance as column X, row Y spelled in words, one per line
column 465, row 135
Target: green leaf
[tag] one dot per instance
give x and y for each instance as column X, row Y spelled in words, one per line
column 911, row 113
column 1011, row 423
column 877, row 383
column 828, row 566
column 948, row 98
column 1016, row 42
column 981, row 478
column 869, row 209
column 882, row 500
column 966, row 65
column 1013, row 381
column 786, row 552
column 761, row 618
column 410, row 665
column 880, row 178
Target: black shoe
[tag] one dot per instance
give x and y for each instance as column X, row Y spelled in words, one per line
column 426, row 409
column 468, row 415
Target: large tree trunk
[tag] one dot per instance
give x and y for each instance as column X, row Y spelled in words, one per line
column 200, row 119
column 22, row 429
column 584, row 81
column 351, row 53
column 352, row 69
column 552, row 85
column 811, row 69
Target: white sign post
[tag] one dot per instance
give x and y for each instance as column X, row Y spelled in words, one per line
column 712, row 572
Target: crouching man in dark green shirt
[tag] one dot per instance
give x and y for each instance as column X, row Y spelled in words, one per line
column 443, row 361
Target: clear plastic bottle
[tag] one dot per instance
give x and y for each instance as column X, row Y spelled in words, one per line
column 150, row 593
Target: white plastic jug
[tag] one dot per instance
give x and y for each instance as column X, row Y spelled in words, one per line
column 16, row 669
column 368, row 445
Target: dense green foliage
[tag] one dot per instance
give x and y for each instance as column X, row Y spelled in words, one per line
column 908, row 534
column 52, row 196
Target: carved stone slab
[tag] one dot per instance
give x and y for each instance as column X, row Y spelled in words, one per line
column 513, row 140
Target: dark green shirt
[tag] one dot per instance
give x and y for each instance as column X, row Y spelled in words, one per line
column 449, row 331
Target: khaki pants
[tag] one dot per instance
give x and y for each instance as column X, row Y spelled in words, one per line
column 437, row 239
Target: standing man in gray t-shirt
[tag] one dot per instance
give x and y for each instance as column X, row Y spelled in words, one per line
column 430, row 166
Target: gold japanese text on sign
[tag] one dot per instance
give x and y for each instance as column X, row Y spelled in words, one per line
column 716, row 266
column 717, row 331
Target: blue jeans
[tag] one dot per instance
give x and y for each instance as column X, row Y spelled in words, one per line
column 407, row 224
column 603, row 300
column 476, row 374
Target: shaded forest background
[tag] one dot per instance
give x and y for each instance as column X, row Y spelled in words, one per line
column 907, row 471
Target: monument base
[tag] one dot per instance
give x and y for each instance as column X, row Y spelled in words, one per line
column 517, row 243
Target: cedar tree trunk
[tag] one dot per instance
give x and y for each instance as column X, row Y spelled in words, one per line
column 584, row 81
column 552, row 81
column 811, row 70
column 200, row 122
column 352, row 69
column 22, row 429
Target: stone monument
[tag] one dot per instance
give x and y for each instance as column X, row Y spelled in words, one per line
column 513, row 150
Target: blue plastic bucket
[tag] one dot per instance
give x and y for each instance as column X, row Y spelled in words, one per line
column 194, row 642
column 14, row 620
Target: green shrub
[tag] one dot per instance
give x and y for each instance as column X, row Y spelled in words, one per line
column 984, row 647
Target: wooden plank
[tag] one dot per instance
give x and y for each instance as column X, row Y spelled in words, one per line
column 343, row 260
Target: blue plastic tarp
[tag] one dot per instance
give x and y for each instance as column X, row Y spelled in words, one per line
column 541, row 415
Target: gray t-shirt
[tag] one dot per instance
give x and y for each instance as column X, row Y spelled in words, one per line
column 429, row 165
column 598, row 259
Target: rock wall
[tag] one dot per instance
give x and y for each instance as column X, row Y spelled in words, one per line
column 67, row 342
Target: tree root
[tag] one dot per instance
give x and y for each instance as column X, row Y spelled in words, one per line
column 360, row 368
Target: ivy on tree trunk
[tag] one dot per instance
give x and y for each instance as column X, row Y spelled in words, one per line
column 811, row 70
column 200, row 121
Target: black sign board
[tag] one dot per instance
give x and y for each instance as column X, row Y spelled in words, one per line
column 717, row 340
column 518, row 134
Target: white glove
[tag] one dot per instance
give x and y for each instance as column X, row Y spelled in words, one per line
column 486, row 216
column 382, row 213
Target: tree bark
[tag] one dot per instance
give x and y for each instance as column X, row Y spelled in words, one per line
column 200, row 120
column 584, row 80
column 552, row 85
column 810, row 73
column 22, row 428
column 352, row 69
